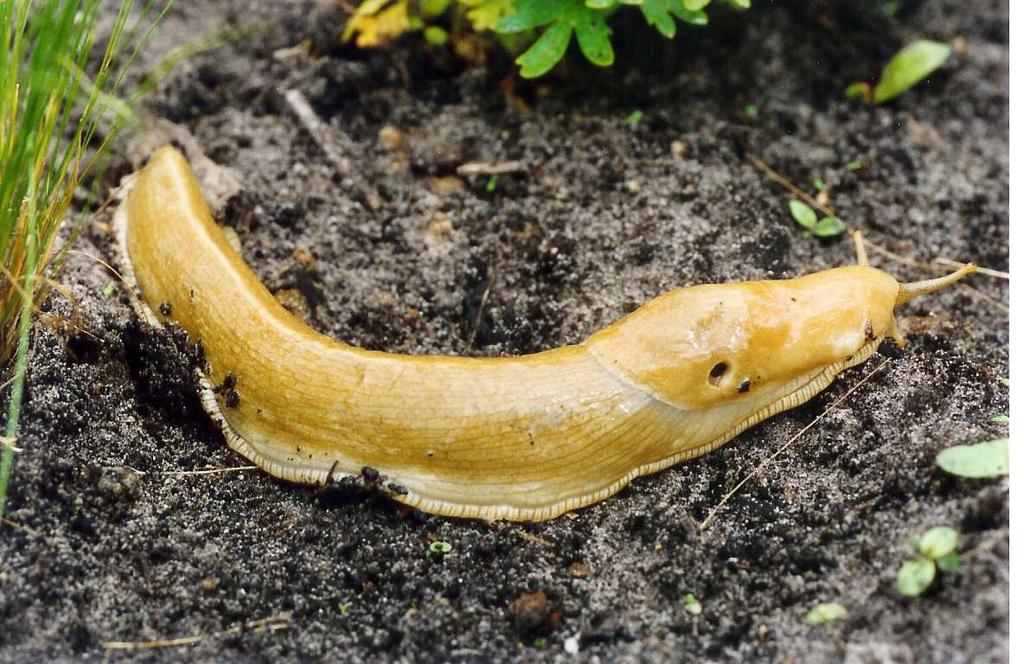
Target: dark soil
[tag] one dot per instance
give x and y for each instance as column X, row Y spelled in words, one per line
column 105, row 542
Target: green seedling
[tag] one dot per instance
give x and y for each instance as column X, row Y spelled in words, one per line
column 439, row 548
column 825, row 613
column 936, row 551
column 691, row 605
column 805, row 216
column 910, row 66
column 634, row 118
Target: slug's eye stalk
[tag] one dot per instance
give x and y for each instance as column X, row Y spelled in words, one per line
column 918, row 288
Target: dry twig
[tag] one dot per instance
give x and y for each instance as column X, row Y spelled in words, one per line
column 272, row 624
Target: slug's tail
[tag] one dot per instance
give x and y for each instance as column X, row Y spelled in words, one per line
column 914, row 289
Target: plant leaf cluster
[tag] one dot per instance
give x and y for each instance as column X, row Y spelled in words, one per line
column 547, row 26
column 805, row 215
column 936, row 550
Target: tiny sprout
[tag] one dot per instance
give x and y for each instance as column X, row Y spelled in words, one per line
column 540, row 643
column 854, row 165
column 1001, row 419
column 440, row 547
column 892, row 7
column 936, row 549
column 751, row 111
column 343, row 607
column 634, row 117
column 108, row 290
column 858, row 91
column 820, row 185
column 691, row 605
column 492, row 184
column 435, row 35
column 825, row 613
column 806, row 217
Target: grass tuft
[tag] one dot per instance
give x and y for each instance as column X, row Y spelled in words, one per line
column 56, row 124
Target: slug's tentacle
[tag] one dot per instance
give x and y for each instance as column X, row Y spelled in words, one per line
column 915, row 289
column 523, row 438
column 858, row 246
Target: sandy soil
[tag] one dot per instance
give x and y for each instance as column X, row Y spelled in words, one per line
column 109, row 540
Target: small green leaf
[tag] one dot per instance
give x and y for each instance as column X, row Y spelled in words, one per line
column 915, row 576
column 440, row 547
column 435, row 35
column 492, row 184
column 108, row 290
column 531, row 14
column 433, row 7
column 691, row 605
column 828, row 227
column 751, row 111
column 908, row 67
column 948, row 563
column 858, row 91
column 1001, row 419
column 938, row 542
column 803, row 214
column 343, row 607
column 600, row 4
column 820, row 185
column 634, row 117
column 988, row 459
column 657, row 14
column 546, row 51
column 540, row 643
column 1004, row 380
column 740, row 4
column 854, row 165
column 695, row 5
column 693, row 18
column 892, row 7
column 825, row 613
column 592, row 34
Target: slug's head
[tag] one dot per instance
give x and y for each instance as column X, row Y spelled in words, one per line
column 756, row 342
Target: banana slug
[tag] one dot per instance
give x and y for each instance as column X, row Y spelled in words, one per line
column 518, row 438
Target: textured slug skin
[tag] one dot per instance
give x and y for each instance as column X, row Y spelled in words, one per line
column 523, row 438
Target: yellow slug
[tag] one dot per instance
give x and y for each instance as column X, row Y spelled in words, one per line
column 520, row 438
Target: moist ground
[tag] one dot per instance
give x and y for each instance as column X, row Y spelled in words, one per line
column 108, row 541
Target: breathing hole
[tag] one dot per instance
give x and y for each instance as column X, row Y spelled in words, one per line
column 716, row 373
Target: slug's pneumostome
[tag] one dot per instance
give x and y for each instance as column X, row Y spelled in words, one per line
column 521, row 438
